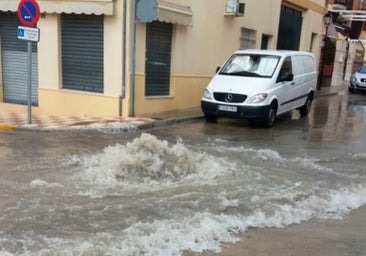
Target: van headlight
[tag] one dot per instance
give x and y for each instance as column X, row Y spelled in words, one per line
column 207, row 95
column 258, row 98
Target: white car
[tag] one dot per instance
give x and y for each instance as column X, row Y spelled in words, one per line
column 358, row 80
column 259, row 85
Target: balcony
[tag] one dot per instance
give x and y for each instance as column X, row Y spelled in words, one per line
column 341, row 4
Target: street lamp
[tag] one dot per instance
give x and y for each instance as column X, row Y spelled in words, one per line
column 327, row 21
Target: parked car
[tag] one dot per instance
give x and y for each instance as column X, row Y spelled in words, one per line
column 358, row 80
column 259, row 85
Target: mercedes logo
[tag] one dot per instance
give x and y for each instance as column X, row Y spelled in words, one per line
column 228, row 97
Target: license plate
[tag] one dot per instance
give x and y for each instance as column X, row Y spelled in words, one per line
column 228, row 108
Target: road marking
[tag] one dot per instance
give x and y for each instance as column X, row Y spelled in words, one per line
column 7, row 127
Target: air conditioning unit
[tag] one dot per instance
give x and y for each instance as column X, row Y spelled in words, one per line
column 233, row 7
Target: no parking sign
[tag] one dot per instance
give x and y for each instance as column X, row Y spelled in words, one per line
column 28, row 12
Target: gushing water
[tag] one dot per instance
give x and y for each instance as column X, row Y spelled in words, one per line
column 152, row 197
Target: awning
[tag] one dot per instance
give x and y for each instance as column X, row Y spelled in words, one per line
column 97, row 7
column 9, row 5
column 174, row 13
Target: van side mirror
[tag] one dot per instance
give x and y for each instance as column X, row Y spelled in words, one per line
column 217, row 69
column 285, row 77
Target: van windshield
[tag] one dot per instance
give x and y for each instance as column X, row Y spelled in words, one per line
column 252, row 65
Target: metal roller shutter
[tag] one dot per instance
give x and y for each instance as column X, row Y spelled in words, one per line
column 14, row 62
column 158, row 56
column 82, row 52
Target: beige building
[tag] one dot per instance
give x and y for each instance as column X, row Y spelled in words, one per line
column 93, row 59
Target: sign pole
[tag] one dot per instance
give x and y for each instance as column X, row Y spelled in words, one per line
column 29, row 82
column 28, row 14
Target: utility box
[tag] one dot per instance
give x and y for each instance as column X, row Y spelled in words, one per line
column 233, row 7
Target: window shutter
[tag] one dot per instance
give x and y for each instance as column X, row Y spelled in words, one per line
column 158, row 57
column 82, row 52
column 14, row 62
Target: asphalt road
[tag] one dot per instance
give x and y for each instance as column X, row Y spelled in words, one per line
column 297, row 188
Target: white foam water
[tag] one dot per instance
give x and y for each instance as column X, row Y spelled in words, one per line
column 148, row 163
column 152, row 197
column 37, row 183
column 201, row 231
column 205, row 231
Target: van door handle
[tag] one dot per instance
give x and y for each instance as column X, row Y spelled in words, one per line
column 293, row 83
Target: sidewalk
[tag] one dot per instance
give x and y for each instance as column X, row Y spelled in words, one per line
column 16, row 121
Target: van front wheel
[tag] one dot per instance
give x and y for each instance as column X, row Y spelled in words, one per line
column 210, row 118
column 270, row 117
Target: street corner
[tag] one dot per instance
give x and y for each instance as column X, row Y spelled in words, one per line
column 7, row 127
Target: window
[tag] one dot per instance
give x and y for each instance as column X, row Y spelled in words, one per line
column 265, row 41
column 158, row 57
column 250, row 65
column 312, row 42
column 14, row 62
column 82, row 52
column 248, row 39
column 286, row 69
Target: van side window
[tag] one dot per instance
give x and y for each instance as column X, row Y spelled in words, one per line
column 285, row 71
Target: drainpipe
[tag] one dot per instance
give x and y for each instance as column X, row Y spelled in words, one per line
column 346, row 61
column 123, row 89
column 133, row 79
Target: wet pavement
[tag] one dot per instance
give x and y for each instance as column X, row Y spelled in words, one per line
column 10, row 121
column 191, row 188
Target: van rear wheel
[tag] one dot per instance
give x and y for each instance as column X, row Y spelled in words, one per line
column 305, row 109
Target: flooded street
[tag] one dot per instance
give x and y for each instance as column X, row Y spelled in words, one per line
column 187, row 187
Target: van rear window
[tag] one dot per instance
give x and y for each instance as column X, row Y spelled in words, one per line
column 250, row 65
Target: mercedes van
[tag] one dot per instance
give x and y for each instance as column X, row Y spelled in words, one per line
column 259, row 85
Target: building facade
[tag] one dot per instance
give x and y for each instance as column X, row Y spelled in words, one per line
column 346, row 34
column 95, row 59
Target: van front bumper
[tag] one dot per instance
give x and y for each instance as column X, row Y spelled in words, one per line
column 243, row 112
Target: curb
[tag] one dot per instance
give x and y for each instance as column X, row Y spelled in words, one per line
column 7, row 127
column 166, row 122
column 320, row 94
column 110, row 129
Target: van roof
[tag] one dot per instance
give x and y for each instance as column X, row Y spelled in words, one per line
column 274, row 52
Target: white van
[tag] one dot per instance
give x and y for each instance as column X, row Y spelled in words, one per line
column 259, row 85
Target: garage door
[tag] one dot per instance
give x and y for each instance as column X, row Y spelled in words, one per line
column 14, row 62
column 289, row 32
